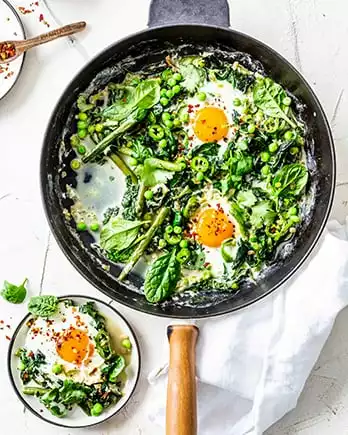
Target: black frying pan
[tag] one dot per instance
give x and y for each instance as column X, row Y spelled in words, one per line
column 147, row 47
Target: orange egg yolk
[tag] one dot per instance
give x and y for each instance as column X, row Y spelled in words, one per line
column 213, row 227
column 73, row 346
column 211, row 124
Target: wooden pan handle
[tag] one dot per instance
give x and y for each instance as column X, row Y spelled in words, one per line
column 181, row 416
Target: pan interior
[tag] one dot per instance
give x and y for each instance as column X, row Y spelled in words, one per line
column 148, row 50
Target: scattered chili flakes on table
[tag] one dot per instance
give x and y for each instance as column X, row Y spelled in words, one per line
column 7, row 50
column 24, row 10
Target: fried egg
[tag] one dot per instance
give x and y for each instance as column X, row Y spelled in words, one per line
column 211, row 120
column 68, row 339
column 211, row 225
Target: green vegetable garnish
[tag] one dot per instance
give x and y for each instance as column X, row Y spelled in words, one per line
column 43, row 306
column 13, row 293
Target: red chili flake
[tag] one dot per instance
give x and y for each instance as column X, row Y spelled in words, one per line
column 24, row 11
column 41, row 17
column 197, row 105
column 8, row 326
column 7, row 50
column 8, row 338
column 206, row 264
column 1, row 321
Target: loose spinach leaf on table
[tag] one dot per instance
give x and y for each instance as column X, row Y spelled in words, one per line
column 119, row 234
column 13, row 293
column 43, row 306
column 290, row 180
column 162, row 277
column 268, row 97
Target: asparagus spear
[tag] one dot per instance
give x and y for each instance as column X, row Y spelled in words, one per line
column 35, row 391
column 138, row 252
column 140, row 200
column 123, row 166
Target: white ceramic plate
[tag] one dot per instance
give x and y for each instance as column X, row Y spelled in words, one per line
column 77, row 418
column 11, row 28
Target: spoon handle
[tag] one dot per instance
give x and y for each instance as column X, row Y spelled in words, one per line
column 67, row 30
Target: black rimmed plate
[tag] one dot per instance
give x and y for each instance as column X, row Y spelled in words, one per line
column 11, row 28
column 77, row 418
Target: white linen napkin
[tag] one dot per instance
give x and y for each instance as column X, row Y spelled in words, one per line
column 252, row 365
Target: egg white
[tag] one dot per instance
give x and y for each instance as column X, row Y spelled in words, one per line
column 220, row 94
column 213, row 199
column 89, row 371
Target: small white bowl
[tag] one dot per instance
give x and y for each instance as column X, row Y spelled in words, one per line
column 77, row 418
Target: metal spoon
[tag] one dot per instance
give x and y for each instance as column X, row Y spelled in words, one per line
column 19, row 47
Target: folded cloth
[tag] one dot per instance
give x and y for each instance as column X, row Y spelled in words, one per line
column 252, row 365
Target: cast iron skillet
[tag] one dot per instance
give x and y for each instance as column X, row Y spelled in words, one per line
column 147, row 47
column 136, row 51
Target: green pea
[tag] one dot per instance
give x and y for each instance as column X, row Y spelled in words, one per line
column 177, row 77
column 177, row 229
column 81, row 149
column 288, row 135
column 162, row 143
column 265, row 170
column 184, row 244
column 81, row 125
column 163, row 92
column 166, row 116
column 185, row 117
column 265, row 156
column 164, row 101
column 91, row 129
column 237, row 102
column 177, row 123
column 278, row 185
column 170, row 94
column 169, row 229
column 126, row 343
column 82, row 134
column 148, row 194
column 99, row 128
column 162, row 243
column 132, row 161
column 97, row 410
column 202, row 96
column 74, row 140
column 176, row 89
column 81, row 226
column 168, row 123
column 234, row 286
column 199, row 176
column 273, row 147
column 94, row 227
column 295, row 219
column 75, row 164
column 292, row 211
column 294, row 150
column 287, row 101
column 251, row 128
column 21, row 366
column 82, row 116
column 57, row 369
column 171, row 82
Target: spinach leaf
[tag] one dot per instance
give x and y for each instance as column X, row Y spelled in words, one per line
column 82, row 104
column 43, row 306
column 144, row 96
column 268, row 97
column 290, row 180
column 13, row 293
column 30, row 366
column 119, row 234
column 115, row 368
column 262, row 213
column 241, row 217
column 161, row 277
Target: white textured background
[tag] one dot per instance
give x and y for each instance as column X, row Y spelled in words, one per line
column 312, row 34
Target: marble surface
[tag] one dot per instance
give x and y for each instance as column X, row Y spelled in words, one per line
column 312, row 34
